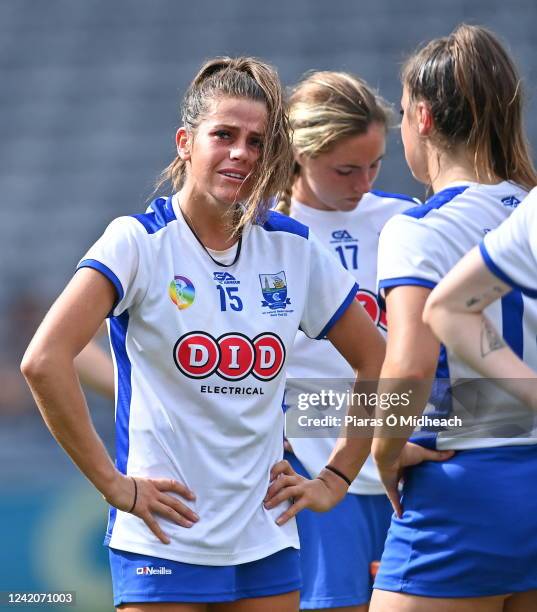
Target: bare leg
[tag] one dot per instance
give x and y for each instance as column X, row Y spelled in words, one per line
column 521, row 602
column 362, row 608
column 286, row 602
column 163, row 607
column 387, row 601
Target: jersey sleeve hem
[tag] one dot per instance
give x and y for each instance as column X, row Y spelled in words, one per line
column 105, row 270
column 497, row 271
column 388, row 283
column 401, row 281
column 339, row 312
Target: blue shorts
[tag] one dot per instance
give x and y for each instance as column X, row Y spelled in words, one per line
column 469, row 527
column 337, row 548
column 143, row 579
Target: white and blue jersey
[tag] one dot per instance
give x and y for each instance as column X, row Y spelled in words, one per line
column 352, row 238
column 200, row 353
column 418, row 248
column 510, row 251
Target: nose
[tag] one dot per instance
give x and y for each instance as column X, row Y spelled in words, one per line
column 362, row 183
column 239, row 150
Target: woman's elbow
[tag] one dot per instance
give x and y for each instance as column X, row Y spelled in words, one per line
column 433, row 311
column 36, row 365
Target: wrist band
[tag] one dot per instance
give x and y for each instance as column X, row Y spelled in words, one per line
column 338, row 473
column 135, row 495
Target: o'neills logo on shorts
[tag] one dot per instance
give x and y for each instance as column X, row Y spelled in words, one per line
column 232, row 356
column 149, row 570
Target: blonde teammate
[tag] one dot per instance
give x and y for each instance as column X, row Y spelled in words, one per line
column 339, row 127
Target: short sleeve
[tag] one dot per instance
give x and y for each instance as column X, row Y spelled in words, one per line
column 409, row 254
column 330, row 291
column 118, row 255
column 510, row 251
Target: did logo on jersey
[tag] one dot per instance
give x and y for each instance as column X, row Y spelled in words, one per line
column 232, row 356
column 369, row 301
column 274, row 290
column 342, row 236
column 225, row 278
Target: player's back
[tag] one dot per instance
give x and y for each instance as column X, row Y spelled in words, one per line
column 418, row 248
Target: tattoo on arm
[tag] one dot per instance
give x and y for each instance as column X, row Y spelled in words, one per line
column 472, row 301
column 490, row 340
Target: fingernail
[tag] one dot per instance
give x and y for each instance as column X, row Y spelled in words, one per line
column 196, row 516
column 268, row 505
column 188, row 524
column 279, row 521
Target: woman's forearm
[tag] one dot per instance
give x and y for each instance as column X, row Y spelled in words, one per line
column 56, row 390
column 405, row 394
column 473, row 338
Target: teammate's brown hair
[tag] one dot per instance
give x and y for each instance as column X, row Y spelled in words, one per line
column 250, row 78
column 325, row 108
column 475, row 95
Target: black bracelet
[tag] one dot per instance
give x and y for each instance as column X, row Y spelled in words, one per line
column 135, row 495
column 338, row 473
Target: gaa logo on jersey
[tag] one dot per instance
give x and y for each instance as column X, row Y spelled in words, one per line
column 342, row 236
column 182, row 292
column 232, row 356
column 510, row 201
column 370, row 303
column 274, row 290
column 225, row 278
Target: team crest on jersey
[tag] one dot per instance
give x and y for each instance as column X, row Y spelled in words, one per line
column 225, row 278
column 510, row 202
column 342, row 235
column 274, row 290
column 182, row 292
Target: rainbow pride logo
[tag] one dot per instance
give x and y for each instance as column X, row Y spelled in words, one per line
column 181, row 292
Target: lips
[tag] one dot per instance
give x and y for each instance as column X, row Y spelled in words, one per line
column 232, row 174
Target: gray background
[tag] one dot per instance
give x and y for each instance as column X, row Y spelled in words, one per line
column 89, row 95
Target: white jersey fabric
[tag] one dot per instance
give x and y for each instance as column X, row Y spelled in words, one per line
column 418, row 248
column 199, row 353
column 352, row 238
column 510, row 251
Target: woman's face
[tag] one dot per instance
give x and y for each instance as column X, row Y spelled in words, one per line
column 224, row 150
column 338, row 179
column 414, row 145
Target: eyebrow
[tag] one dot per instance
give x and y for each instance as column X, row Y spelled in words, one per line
column 229, row 126
column 353, row 166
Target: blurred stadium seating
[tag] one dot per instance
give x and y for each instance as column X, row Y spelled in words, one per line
column 88, row 108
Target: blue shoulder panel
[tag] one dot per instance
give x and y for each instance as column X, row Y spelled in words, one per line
column 276, row 222
column 397, row 196
column 436, row 201
column 162, row 213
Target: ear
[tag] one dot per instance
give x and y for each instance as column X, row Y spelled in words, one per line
column 424, row 118
column 183, row 142
column 299, row 157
